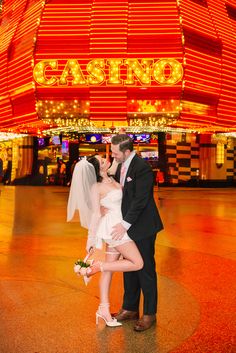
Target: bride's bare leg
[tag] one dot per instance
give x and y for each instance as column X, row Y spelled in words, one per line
column 132, row 260
column 105, row 283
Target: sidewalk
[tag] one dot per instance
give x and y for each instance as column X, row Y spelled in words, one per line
column 45, row 308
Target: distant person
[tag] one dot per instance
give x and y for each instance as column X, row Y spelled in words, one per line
column 61, row 172
column 69, row 171
column 1, row 170
column 7, row 175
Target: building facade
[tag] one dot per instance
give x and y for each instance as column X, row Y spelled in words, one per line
column 153, row 66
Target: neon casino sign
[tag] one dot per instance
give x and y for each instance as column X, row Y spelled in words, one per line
column 109, row 72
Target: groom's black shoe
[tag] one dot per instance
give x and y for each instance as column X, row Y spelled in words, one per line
column 124, row 315
column 145, row 323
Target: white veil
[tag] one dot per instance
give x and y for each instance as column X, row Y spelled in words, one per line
column 83, row 178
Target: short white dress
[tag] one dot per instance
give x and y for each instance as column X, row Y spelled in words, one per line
column 112, row 202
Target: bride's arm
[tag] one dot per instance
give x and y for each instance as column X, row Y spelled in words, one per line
column 95, row 216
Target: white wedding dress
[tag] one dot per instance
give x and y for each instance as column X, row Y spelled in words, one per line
column 103, row 225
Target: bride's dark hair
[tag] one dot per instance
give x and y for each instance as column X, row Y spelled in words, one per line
column 95, row 162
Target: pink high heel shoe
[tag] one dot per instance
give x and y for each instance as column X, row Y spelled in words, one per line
column 94, row 268
column 112, row 323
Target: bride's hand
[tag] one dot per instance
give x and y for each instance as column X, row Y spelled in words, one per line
column 91, row 241
column 118, row 231
column 103, row 211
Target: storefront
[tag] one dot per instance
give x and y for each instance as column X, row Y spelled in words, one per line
column 176, row 158
column 16, row 157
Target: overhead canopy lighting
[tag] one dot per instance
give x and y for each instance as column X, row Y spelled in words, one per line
column 6, row 136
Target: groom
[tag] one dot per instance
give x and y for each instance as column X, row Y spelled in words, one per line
column 142, row 221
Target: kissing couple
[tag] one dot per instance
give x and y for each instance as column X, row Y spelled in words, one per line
column 128, row 227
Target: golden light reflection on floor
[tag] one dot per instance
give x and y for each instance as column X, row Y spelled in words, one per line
column 45, row 308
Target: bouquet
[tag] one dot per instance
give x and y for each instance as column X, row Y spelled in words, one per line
column 81, row 266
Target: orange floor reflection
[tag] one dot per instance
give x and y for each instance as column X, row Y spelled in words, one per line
column 45, row 308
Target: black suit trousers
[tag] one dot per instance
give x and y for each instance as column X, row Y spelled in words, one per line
column 144, row 280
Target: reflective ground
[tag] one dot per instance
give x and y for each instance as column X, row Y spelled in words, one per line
column 45, row 308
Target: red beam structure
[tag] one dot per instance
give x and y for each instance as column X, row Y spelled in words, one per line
column 130, row 62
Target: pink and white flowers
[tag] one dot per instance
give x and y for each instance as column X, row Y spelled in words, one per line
column 80, row 268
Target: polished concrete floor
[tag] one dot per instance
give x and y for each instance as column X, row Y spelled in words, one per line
column 45, row 308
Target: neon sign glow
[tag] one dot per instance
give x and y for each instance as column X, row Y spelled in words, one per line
column 109, row 72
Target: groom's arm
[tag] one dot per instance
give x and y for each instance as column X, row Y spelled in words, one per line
column 144, row 189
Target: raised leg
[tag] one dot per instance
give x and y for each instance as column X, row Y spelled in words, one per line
column 131, row 261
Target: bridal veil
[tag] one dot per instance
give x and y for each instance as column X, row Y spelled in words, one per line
column 84, row 177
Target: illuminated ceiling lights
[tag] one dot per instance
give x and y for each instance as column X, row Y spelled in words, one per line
column 64, row 113
column 153, row 113
column 7, row 136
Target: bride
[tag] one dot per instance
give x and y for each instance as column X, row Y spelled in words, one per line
column 91, row 189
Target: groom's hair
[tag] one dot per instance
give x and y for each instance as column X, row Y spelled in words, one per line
column 124, row 141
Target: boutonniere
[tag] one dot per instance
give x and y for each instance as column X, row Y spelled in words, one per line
column 128, row 179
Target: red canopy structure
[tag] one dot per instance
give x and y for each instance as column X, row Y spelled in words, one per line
column 131, row 62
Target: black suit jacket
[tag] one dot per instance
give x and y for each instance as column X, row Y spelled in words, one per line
column 138, row 205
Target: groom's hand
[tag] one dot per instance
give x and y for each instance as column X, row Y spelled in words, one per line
column 118, row 231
